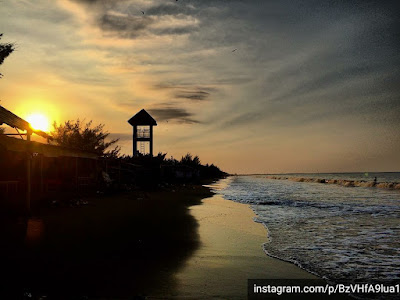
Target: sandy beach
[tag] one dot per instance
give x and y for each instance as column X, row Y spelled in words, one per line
column 230, row 253
column 178, row 242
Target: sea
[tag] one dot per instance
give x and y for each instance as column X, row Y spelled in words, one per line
column 343, row 227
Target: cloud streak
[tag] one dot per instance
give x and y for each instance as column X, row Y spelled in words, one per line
column 175, row 114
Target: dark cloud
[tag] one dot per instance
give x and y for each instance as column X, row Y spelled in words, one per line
column 189, row 92
column 124, row 18
column 182, row 86
column 192, row 95
column 178, row 115
column 164, row 112
column 168, row 9
column 124, row 26
column 174, row 30
column 131, row 27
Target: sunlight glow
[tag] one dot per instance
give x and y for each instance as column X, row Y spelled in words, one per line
column 39, row 122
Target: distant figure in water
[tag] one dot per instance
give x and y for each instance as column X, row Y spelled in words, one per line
column 375, row 180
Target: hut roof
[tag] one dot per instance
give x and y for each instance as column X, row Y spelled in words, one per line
column 12, row 120
column 7, row 117
column 142, row 118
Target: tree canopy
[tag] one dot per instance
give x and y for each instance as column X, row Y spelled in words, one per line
column 191, row 161
column 84, row 136
column 5, row 50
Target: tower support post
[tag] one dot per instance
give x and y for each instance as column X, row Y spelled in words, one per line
column 151, row 140
column 134, row 140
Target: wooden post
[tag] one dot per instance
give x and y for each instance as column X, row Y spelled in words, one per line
column 134, row 140
column 151, row 140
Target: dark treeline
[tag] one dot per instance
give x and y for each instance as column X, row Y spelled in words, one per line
column 89, row 137
column 148, row 171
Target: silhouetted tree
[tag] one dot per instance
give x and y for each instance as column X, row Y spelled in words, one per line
column 189, row 160
column 5, row 50
column 84, row 137
column 211, row 171
column 145, row 159
column 171, row 161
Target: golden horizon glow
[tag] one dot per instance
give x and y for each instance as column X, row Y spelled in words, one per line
column 39, row 121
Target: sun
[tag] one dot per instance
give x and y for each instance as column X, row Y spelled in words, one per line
column 39, row 122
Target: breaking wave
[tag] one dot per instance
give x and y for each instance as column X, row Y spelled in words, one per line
column 342, row 182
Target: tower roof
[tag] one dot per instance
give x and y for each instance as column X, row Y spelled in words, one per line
column 142, row 118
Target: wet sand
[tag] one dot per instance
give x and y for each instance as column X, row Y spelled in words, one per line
column 230, row 253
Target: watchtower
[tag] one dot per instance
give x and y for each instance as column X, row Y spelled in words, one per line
column 142, row 124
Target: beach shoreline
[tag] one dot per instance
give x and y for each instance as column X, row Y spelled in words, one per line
column 231, row 252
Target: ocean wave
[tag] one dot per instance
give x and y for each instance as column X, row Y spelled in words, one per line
column 342, row 182
column 348, row 235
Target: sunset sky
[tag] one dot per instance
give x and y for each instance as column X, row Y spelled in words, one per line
column 251, row 86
